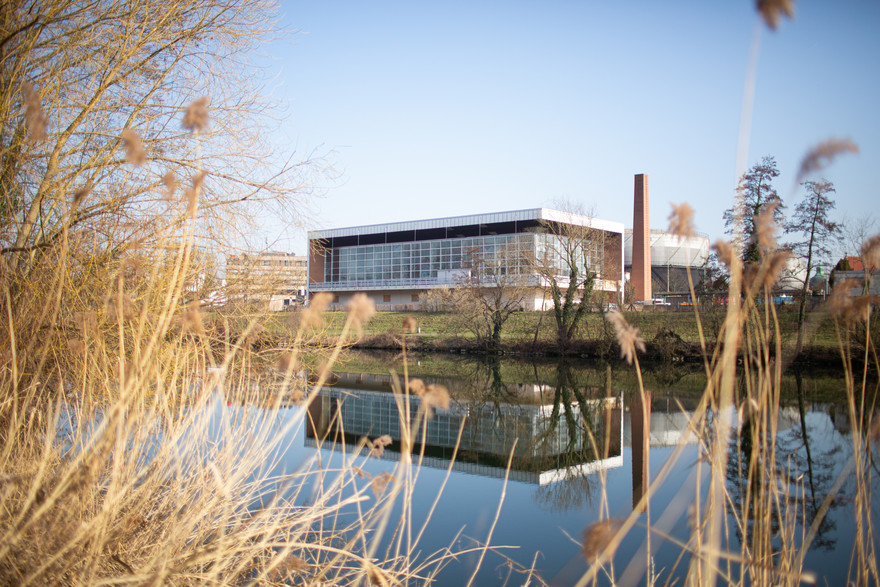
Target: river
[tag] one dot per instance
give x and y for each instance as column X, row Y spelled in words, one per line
column 551, row 447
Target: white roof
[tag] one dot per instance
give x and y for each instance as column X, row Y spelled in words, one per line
column 450, row 221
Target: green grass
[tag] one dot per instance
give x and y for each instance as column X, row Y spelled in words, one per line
column 521, row 327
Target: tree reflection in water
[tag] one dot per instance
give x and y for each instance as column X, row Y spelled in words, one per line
column 808, row 467
column 577, row 488
column 578, row 423
column 561, row 416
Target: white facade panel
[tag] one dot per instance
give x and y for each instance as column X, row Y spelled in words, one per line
column 668, row 249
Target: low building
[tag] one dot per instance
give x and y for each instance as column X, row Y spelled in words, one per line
column 273, row 278
column 396, row 263
column 865, row 279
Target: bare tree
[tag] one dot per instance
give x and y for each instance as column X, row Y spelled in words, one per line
column 441, row 299
column 493, row 285
column 104, row 113
column 627, row 299
column 853, row 234
column 568, row 262
column 812, row 221
column 754, row 193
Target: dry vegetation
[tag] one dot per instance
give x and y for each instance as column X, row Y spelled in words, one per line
column 139, row 459
column 139, row 436
column 755, row 521
column 139, row 439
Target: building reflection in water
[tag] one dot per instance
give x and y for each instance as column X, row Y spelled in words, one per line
column 544, row 451
column 570, row 430
column 553, row 442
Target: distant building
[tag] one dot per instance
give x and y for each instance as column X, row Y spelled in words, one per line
column 791, row 278
column 671, row 257
column 852, row 268
column 818, row 283
column 277, row 279
column 396, row 263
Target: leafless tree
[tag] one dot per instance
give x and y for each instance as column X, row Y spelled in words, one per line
column 568, row 263
column 493, row 285
column 441, row 299
column 854, row 232
column 105, row 112
column 812, row 221
column 754, row 194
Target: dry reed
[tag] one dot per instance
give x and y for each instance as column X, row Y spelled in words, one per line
column 139, row 443
column 755, row 521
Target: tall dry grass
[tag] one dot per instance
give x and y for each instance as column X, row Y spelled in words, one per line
column 141, row 440
column 142, row 437
column 753, row 520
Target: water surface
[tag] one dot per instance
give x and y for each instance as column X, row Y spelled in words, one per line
column 567, row 444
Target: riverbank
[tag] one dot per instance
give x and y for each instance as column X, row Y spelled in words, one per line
column 670, row 336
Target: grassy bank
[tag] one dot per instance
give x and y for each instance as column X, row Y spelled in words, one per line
column 668, row 334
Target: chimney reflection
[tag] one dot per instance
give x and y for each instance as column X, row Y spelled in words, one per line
column 640, row 422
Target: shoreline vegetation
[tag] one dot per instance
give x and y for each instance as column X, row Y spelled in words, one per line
column 668, row 336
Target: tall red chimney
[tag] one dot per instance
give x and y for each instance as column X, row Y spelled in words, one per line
column 641, row 241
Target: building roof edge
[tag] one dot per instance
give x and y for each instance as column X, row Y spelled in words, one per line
column 444, row 222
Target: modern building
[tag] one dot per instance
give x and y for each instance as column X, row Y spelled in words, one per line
column 670, row 257
column 396, row 263
column 275, row 278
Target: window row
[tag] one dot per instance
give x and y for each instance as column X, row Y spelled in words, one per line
column 449, row 259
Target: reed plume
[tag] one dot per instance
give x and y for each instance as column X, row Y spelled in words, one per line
column 195, row 117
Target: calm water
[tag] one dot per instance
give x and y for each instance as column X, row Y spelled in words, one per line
column 568, row 431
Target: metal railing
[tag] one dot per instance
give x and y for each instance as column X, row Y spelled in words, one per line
column 431, row 282
column 368, row 284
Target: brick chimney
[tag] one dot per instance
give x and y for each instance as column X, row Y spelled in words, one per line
column 641, row 240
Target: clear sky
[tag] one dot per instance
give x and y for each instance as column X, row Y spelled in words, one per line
column 430, row 109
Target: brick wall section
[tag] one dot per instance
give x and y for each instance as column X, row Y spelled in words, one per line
column 316, row 262
column 612, row 268
column 641, row 250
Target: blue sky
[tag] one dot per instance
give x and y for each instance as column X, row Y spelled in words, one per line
column 430, row 109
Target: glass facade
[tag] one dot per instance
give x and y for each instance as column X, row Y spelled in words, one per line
column 444, row 261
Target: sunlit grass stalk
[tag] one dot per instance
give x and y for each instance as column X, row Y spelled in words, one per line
column 715, row 507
